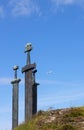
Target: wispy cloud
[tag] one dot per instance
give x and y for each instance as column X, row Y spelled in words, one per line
column 23, row 7
column 61, row 83
column 67, row 2
column 69, row 93
column 5, row 110
column 62, row 3
column 30, row 7
column 1, row 12
column 7, row 81
column 54, row 101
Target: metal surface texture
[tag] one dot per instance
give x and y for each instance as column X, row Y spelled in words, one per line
column 28, row 95
column 28, row 91
column 28, row 47
column 15, row 91
column 30, row 86
column 34, row 90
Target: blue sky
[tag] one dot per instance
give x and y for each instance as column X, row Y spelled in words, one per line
column 55, row 28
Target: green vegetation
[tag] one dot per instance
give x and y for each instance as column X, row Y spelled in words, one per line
column 61, row 119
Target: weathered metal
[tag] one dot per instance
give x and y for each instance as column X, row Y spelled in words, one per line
column 28, row 48
column 30, row 86
column 15, row 68
column 28, row 90
column 15, row 91
column 34, row 90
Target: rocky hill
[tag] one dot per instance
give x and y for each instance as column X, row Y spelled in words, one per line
column 61, row 119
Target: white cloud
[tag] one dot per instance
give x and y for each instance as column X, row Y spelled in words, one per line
column 23, row 7
column 61, row 83
column 54, row 100
column 1, row 12
column 63, row 2
column 59, row 3
column 5, row 81
column 6, row 109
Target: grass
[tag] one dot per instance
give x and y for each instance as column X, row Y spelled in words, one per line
column 61, row 119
